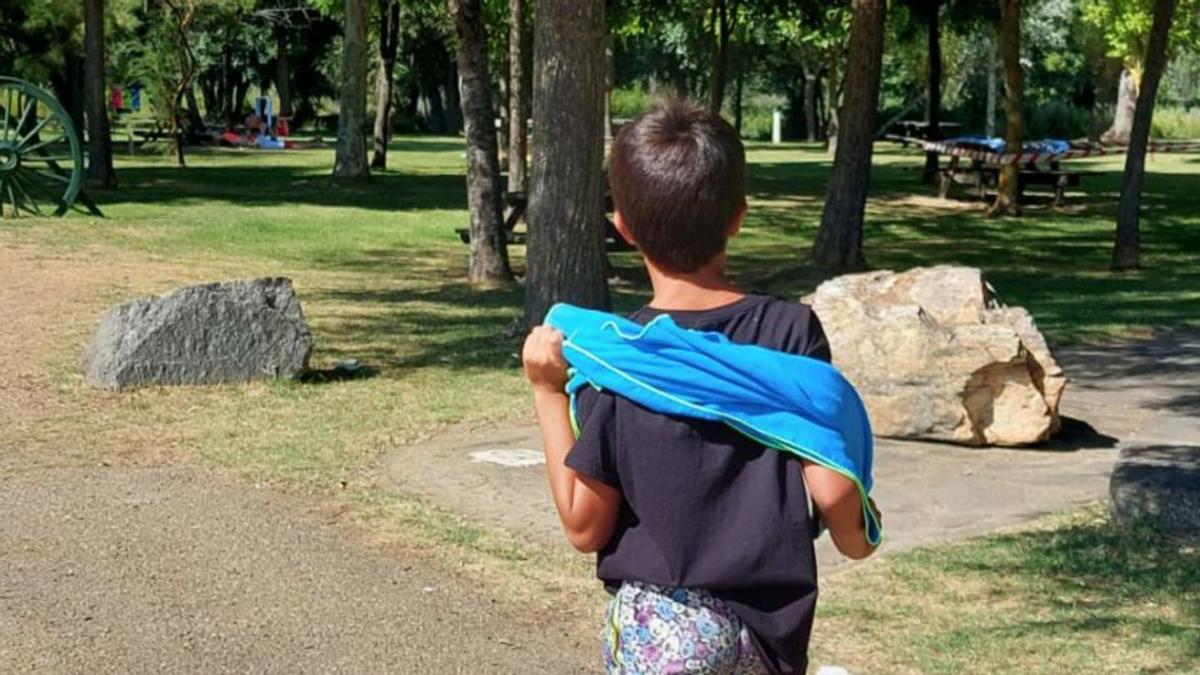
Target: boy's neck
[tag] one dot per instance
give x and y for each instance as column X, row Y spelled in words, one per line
column 706, row 288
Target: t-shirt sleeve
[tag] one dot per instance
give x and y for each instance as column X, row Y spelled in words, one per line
column 595, row 453
column 804, row 334
column 816, row 345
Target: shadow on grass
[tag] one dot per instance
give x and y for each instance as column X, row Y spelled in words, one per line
column 285, row 186
column 451, row 325
column 1098, row 576
column 1053, row 261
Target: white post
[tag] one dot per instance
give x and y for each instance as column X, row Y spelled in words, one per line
column 776, row 127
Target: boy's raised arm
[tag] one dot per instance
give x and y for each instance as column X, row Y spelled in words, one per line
column 587, row 508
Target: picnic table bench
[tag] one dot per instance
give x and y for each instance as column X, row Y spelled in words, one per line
column 139, row 130
column 982, row 176
column 517, row 202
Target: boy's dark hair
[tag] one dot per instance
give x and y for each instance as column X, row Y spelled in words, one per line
column 678, row 177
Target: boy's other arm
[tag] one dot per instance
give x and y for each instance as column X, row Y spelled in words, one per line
column 587, row 508
column 840, row 508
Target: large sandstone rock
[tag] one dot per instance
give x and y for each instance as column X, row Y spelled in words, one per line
column 1158, row 485
column 224, row 332
column 935, row 356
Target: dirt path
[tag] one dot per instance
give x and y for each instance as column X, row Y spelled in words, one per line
column 49, row 304
column 171, row 569
column 115, row 558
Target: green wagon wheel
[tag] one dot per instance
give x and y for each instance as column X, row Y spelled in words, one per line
column 41, row 156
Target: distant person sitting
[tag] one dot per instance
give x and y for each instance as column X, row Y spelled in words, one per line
column 254, row 124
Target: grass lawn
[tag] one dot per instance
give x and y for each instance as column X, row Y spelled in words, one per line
column 380, row 273
column 1068, row 595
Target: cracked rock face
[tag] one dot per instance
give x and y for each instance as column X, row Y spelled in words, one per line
column 935, row 357
column 212, row 333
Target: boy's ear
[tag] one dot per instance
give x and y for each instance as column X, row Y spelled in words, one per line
column 736, row 225
column 623, row 228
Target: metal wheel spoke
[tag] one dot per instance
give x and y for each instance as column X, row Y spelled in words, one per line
column 7, row 113
column 45, row 191
column 12, row 198
column 2, row 185
column 25, row 196
column 42, row 144
column 46, row 158
column 32, row 134
column 54, row 176
column 30, row 104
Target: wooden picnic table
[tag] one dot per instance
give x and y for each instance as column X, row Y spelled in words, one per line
column 517, row 202
column 920, row 129
column 982, row 176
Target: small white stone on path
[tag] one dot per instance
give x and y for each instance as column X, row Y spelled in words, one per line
column 510, row 457
column 832, row 670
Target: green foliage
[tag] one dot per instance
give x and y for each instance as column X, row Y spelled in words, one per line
column 629, row 102
column 1176, row 123
column 1058, row 119
column 1125, row 26
column 1180, row 85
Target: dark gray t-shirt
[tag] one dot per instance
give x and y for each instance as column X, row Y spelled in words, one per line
column 705, row 507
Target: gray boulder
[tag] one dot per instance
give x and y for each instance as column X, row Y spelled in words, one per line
column 223, row 332
column 1159, row 485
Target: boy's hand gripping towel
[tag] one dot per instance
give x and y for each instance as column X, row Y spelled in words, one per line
column 787, row 402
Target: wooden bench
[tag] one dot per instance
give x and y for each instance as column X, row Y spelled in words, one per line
column 981, row 177
column 517, row 203
column 139, row 130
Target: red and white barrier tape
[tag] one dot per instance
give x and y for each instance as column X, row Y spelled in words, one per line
column 1091, row 150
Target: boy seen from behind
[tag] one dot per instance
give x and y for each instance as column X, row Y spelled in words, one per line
column 703, row 535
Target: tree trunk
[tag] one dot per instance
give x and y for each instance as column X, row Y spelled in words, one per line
column 195, row 119
column 237, row 103
column 834, row 86
column 566, row 258
column 389, row 29
column 738, row 85
column 1127, row 249
column 283, row 73
column 838, row 246
column 933, row 102
column 990, row 122
column 608, row 85
column 519, row 75
column 208, row 89
column 184, row 13
column 69, row 88
column 438, row 121
column 489, row 248
column 453, row 107
column 720, row 55
column 226, row 89
column 100, row 154
column 351, row 155
column 810, row 105
column 1014, row 124
column 1127, row 98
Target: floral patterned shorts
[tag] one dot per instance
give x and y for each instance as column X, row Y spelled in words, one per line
column 651, row 629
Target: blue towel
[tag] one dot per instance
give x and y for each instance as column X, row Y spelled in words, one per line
column 786, row 402
column 1048, row 146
